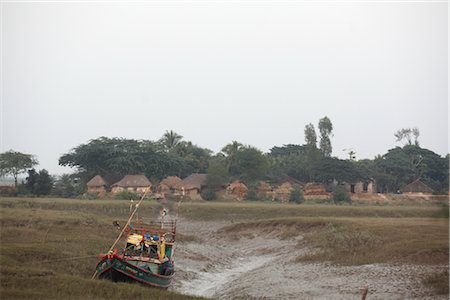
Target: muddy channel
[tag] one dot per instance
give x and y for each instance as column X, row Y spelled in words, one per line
column 259, row 265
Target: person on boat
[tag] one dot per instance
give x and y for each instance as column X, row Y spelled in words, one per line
column 166, row 267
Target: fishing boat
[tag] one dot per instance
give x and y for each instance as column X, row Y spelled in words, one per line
column 147, row 256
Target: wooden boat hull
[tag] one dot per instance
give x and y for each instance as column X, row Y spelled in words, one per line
column 116, row 268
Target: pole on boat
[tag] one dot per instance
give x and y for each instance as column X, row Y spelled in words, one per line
column 126, row 225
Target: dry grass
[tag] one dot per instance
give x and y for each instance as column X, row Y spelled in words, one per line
column 385, row 240
column 249, row 211
column 36, row 236
column 40, row 239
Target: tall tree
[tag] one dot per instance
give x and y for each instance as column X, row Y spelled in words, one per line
column 312, row 152
column 14, row 163
column 230, row 151
column 251, row 164
column 325, row 129
column 170, row 139
column 195, row 157
column 310, row 136
column 39, row 183
column 114, row 158
column 400, row 166
column 408, row 136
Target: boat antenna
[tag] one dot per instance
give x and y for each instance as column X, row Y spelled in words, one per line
column 126, row 225
column 176, row 215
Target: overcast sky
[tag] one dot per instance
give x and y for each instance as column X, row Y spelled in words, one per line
column 252, row 71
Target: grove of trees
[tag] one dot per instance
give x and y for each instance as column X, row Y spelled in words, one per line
column 112, row 158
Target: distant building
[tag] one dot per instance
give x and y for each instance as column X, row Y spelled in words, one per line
column 237, row 190
column 169, row 184
column 133, row 183
column 193, row 185
column 416, row 187
column 283, row 192
column 264, row 190
column 315, row 189
column 97, row 185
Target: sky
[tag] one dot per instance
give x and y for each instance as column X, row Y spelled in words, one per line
column 217, row 71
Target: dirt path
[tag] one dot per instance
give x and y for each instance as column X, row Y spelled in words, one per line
column 262, row 266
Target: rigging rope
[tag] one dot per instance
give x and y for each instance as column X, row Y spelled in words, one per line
column 126, row 225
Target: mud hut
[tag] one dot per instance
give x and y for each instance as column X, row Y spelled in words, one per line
column 265, row 190
column 283, row 192
column 237, row 190
column 97, row 186
column 169, row 185
column 192, row 185
column 315, row 189
column 132, row 183
column 417, row 187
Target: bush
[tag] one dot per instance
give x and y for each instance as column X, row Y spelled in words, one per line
column 126, row 195
column 340, row 195
column 208, row 194
column 252, row 193
column 296, row 195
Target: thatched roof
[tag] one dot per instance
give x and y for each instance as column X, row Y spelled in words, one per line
column 417, row 186
column 96, row 181
column 194, row 181
column 286, row 188
column 315, row 188
column 237, row 185
column 133, row 181
column 264, row 187
column 171, row 181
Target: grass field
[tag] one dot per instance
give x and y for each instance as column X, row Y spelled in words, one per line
column 49, row 247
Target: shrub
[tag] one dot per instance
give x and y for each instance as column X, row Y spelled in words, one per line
column 340, row 195
column 296, row 195
column 126, row 195
column 208, row 194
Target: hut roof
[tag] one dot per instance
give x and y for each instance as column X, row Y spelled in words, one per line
column 171, row 181
column 96, row 181
column 237, row 185
column 194, row 181
column 417, row 186
column 133, row 181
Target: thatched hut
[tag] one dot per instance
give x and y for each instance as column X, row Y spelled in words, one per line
column 169, row 185
column 283, row 192
column 192, row 185
column 416, row 187
column 237, row 190
column 97, row 186
column 264, row 190
column 132, row 183
column 315, row 189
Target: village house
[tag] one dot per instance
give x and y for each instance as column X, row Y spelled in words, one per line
column 133, row 183
column 170, row 184
column 283, row 192
column 264, row 190
column 97, row 186
column 416, row 187
column 237, row 190
column 315, row 189
column 192, row 186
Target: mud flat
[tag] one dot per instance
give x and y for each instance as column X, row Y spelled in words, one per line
column 264, row 265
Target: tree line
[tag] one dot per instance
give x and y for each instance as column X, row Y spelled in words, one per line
column 112, row 158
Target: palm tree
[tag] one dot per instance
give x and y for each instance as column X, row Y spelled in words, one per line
column 170, row 139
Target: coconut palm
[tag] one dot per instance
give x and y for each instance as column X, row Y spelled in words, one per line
column 170, row 139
